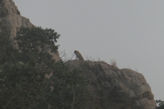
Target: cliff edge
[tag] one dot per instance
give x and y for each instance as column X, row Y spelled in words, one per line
column 109, row 87
column 10, row 18
column 114, row 88
column 11, row 21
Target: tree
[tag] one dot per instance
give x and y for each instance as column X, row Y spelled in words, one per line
column 23, row 70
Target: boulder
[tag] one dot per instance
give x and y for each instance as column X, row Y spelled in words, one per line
column 112, row 88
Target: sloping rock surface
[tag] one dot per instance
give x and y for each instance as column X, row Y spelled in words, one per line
column 113, row 88
column 11, row 21
column 10, row 18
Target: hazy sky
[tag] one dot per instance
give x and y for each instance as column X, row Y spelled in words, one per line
column 131, row 32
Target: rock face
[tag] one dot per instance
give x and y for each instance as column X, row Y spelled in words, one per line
column 113, row 88
column 10, row 18
column 11, row 21
column 108, row 87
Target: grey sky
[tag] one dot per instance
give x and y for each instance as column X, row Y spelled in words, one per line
column 131, row 32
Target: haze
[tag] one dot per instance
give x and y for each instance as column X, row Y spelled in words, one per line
column 130, row 32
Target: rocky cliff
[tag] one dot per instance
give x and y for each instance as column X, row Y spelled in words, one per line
column 108, row 87
column 10, row 18
column 114, row 88
column 11, row 21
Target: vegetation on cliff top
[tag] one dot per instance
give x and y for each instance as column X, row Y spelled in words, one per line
column 31, row 79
